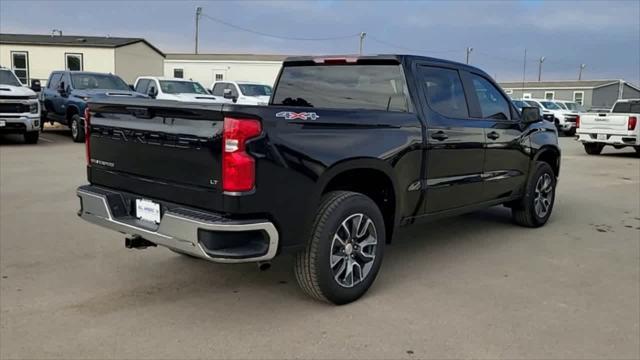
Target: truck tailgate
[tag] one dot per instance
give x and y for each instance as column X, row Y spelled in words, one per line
column 136, row 144
column 604, row 123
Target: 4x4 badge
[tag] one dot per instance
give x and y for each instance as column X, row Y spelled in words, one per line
column 289, row 115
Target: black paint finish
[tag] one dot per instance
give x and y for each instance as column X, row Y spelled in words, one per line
column 171, row 151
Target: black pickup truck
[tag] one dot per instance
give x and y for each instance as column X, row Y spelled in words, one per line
column 348, row 150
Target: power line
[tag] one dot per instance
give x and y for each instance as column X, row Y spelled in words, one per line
column 277, row 36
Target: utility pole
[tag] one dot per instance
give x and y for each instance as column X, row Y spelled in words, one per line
column 469, row 50
column 362, row 35
column 524, row 68
column 540, row 68
column 582, row 66
column 198, row 14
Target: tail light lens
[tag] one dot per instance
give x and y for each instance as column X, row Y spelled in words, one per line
column 578, row 121
column 87, row 134
column 631, row 124
column 238, row 167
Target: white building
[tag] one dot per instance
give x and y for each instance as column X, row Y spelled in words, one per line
column 207, row 68
column 36, row 56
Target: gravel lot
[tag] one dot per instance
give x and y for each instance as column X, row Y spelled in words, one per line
column 471, row 286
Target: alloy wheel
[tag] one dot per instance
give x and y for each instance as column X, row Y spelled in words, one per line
column 353, row 250
column 543, row 195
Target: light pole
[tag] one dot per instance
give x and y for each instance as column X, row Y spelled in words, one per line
column 362, row 35
column 469, row 50
column 582, row 66
column 540, row 68
column 198, row 13
column 524, row 68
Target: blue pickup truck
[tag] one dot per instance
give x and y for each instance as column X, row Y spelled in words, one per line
column 67, row 92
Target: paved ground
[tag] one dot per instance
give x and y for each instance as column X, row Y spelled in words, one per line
column 471, row 286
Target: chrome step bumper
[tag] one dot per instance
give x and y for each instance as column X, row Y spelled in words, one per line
column 179, row 228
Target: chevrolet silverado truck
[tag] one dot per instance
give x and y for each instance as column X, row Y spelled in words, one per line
column 348, row 150
column 618, row 128
column 65, row 97
column 19, row 108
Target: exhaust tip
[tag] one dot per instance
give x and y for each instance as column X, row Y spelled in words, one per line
column 264, row 266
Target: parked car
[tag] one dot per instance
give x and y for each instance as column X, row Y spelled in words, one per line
column 570, row 106
column 348, row 150
column 162, row 88
column 618, row 128
column 520, row 104
column 19, row 107
column 67, row 92
column 565, row 120
column 242, row 92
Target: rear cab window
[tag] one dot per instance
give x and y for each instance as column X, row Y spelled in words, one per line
column 627, row 107
column 358, row 86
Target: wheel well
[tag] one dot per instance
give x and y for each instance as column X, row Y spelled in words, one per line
column 70, row 112
column 373, row 183
column 551, row 157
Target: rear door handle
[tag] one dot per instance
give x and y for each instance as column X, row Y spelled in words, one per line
column 493, row 135
column 440, row 135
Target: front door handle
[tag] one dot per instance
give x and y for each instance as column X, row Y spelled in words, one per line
column 493, row 135
column 440, row 135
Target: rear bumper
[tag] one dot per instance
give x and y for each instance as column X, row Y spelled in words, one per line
column 205, row 235
column 611, row 139
column 19, row 123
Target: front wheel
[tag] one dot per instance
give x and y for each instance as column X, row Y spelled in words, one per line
column 344, row 253
column 31, row 137
column 77, row 128
column 593, row 148
column 535, row 208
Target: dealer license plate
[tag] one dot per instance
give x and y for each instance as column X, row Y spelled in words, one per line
column 602, row 136
column 3, row 123
column 148, row 210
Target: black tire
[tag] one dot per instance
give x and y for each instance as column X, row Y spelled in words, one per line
column 525, row 213
column 637, row 149
column 31, row 137
column 593, row 148
column 570, row 132
column 77, row 128
column 313, row 270
column 43, row 119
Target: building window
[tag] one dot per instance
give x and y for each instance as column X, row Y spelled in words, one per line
column 549, row 95
column 508, row 91
column 178, row 73
column 20, row 65
column 219, row 77
column 578, row 97
column 73, row 62
column 526, row 96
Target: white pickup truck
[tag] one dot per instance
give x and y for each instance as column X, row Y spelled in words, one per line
column 618, row 128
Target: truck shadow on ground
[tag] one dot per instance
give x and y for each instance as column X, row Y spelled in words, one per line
column 50, row 136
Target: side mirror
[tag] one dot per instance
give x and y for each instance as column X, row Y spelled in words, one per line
column 152, row 92
column 35, row 85
column 530, row 115
column 228, row 95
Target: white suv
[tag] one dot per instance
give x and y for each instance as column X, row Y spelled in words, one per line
column 565, row 120
column 242, row 92
column 162, row 88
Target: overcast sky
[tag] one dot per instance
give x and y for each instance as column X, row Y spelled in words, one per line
column 603, row 35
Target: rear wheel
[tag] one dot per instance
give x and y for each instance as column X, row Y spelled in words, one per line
column 77, row 129
column 637, row 149
column 31, row 137
column 342, row 258
column 593, row 148
column 570, row 132
column 535, row 208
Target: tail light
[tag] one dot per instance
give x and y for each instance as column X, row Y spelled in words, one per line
column 631, row 124
column 578, row 121
column 238, row 167
column 87, row 134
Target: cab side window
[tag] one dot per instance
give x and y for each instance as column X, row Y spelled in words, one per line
column 492, row 104
column 218, row 89
column 142, row 86
column 54, row 81
column 445, row 93
column 234, row 91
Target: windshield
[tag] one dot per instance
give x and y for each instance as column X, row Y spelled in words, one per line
column 7, row 78
column 520, row 104
column 85, row 81
column 550, row 106
column 181, row 87
column 534, row 104
column 562, row 106
column 255, row 90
